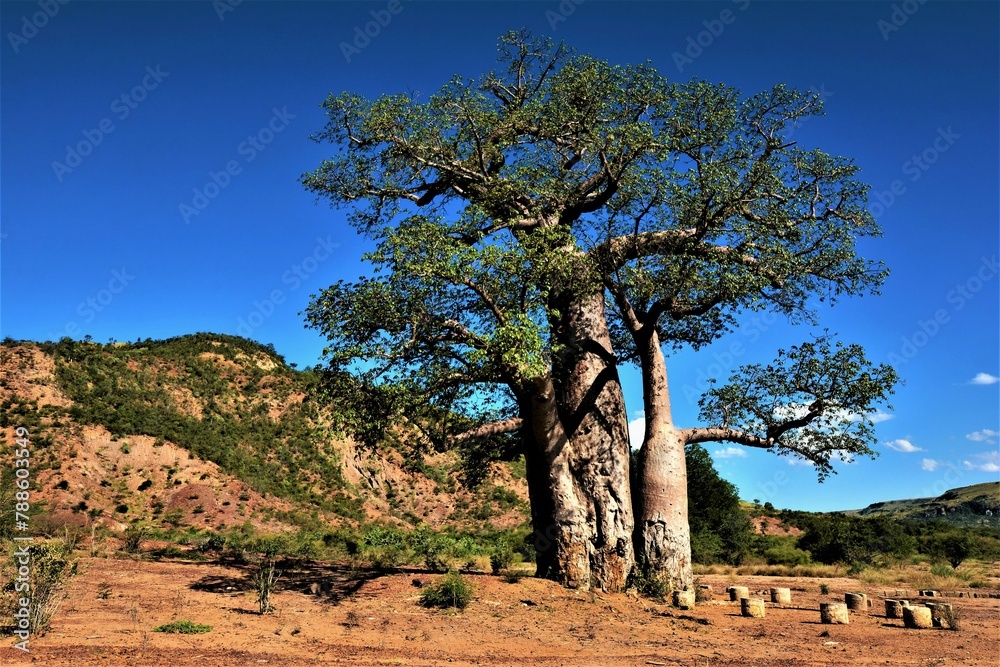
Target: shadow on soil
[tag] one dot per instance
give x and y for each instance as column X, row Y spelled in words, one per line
column 329, row 583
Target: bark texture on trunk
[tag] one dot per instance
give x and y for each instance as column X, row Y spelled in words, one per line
column 662, row 534
column 558, row 507
column 592, row 411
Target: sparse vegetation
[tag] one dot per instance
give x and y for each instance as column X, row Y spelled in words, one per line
column 52, row 565
column 453, row 591
column 183, row 628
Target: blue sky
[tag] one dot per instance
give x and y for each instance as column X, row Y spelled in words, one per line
column 150, row 156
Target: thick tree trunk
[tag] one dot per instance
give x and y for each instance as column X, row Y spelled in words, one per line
column 592, row 412
column 558, row 505
column 662, row 534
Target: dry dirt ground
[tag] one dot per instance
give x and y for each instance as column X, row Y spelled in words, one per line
column 368, row 619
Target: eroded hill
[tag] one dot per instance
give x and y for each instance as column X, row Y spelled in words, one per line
column 215, row 431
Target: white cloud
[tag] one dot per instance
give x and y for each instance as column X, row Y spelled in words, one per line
column 843, row 457
column 636, row 432
column 984, row 378
column 902, row 445
column 730, row 453
column 930, row 465
column 990, row 462
column 880, row 416
column 986, row 435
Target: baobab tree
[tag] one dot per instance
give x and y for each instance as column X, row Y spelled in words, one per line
column 541, row 225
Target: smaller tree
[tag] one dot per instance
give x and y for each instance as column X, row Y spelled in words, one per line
column 720, row 529
column 954, row 547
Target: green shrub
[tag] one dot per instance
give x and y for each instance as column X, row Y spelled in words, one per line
column 785, row 554
column 649, row 583
column 264, row 579
column 453, row 591
column 502, row 557
column 133, row 539
column 942, row 570
column 183, row 627
column 52, row 565
column 512, row 576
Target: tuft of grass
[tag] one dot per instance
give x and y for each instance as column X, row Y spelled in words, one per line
column 649, row 583
column 183, row 628
column 512, row 576
column 453, row 591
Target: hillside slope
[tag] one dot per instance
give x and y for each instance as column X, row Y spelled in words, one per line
column 967, row 505
column 212, row 431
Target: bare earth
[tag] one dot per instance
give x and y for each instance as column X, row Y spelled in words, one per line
column 369, row 619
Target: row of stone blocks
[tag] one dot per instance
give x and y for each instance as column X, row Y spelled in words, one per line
column 947, row 594
column 932, row 615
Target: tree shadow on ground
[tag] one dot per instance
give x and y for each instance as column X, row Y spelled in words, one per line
column 329, row 583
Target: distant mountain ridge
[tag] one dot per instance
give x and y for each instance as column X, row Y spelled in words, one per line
column 978, row 504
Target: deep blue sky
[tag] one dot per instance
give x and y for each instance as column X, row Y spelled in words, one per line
column 109, row 230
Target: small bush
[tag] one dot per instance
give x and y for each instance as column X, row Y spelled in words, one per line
column 264, row 579
column 824, row 589
column 512, row 576
column 453, row 591
column 103, row 590
column 133, row 539
column 648, row 583
column 183, row 628
column 942, row 570
column 501, row 558
column 787, row 555
column 52, row 565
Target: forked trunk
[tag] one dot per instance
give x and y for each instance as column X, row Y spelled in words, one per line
column 592, row 412
column 662, row 535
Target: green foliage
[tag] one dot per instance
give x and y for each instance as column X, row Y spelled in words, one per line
column 813, row 402
column 787, row 555
column 51, row 566
column 841, row 539
column 183, row 627
column 134, row 535
column 720, row 529
column 264, row 579
column 127, row 389
column 954, row 547
column 453, row 591
column 649, row 582
column 502, row 558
